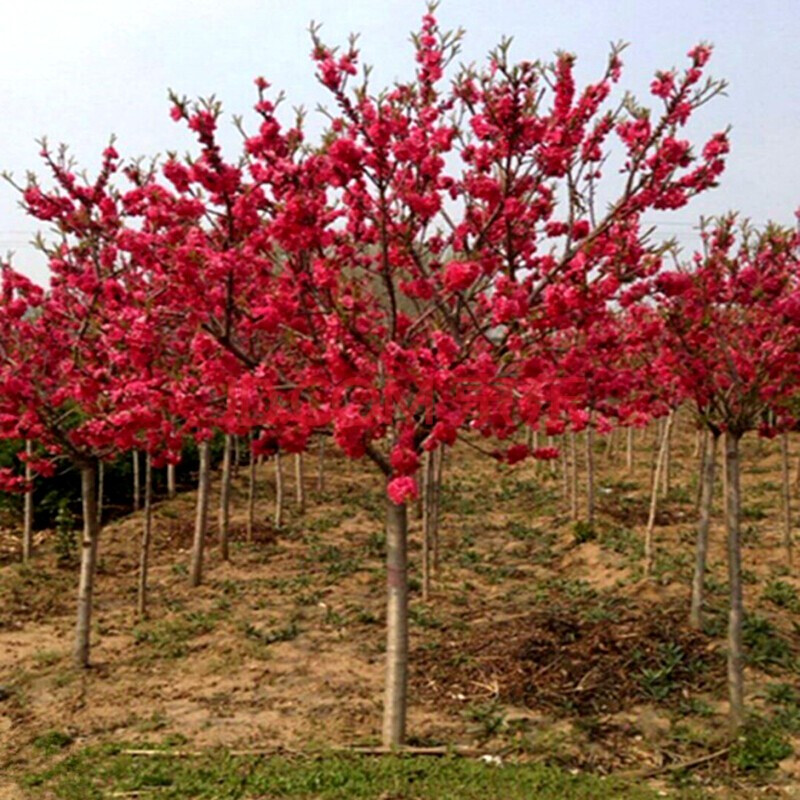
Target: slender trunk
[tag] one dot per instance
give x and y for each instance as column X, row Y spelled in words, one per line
column 736, row 613
column 537, row 466
column 699, row 442
column 395, row 698
column 797, row 474
column 88, row 564
column 706, row 501
column 201, row 513
column 225, row 498
column 137, row 488
column 237, row 456
column 564, row 469
column 651, row 518
column 704, row 441
column 321, row 466
column 101, row 479
column 171, row 491
column 787, row 498
column 278, row 490
column 251, row 493
column 27, row 522
column 590, row 474
column 437, row 496
column 300, row 489
column 427, row 521
column 667, row 468
column 724, row 476
column 573, row 488
column 147, row 531
column 629, row 450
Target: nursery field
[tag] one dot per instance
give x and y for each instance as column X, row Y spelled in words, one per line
column 543, row 664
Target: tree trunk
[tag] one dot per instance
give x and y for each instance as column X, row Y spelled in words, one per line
column 629, row 450
column 534, row 445
column 703, row 455
column 787, row 498
column 573, row 465
column 736, row 613
column 300, row 489
column 251, row 493
column 171, row 491
column 395, row 698
column 590, row 474
column 278, row 490
column 427, row 521
column 147, row 531
column 225, row 498
column 666, row 471
column 437, row 495
column 564, row 469
column 101, row 479
column 201, row 513
column 709, row 460
column 321, row 466
column 651, row 518
column 27, row 522
column 237, row 456
column 137, row 488
column 88, row 564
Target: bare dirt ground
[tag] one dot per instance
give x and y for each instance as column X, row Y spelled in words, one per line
column 539, row 639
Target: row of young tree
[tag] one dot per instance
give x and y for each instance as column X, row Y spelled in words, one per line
column 459, row 256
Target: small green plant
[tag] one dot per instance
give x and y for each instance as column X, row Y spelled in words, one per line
column 759, row 749
column 660, row 682
column 284, row 634
column 489, row 717
column 424, row 617
column 169, row 638
column 52, row 741
column 765, row 647
column 782, row 594
column 583, row 532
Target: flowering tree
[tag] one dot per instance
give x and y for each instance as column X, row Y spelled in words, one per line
column 401, row 281
column 75, row 360
column 732, row 339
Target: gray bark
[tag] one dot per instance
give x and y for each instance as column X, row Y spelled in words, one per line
column 88, row 568
column 201, row 513
column 147, row 532
column 651, row 518
column 396, row 687
column 278, row 490
column 786, row 498
column 321, row 466
column 27, row 522
column 590, row 474
column 300, row 489
column 137, row 487
column 736, row 611
column 573, row 487
column 251, row 493
column 171, row 491
column 225, row 498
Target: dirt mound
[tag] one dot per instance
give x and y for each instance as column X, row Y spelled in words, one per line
column 574, row 660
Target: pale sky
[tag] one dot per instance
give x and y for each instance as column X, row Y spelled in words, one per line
column 79, row 70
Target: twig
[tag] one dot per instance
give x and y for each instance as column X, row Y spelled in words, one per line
column 677, row 766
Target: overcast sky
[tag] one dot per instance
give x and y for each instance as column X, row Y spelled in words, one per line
column 79, row 70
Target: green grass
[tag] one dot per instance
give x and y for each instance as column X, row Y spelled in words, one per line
column 96, row 773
